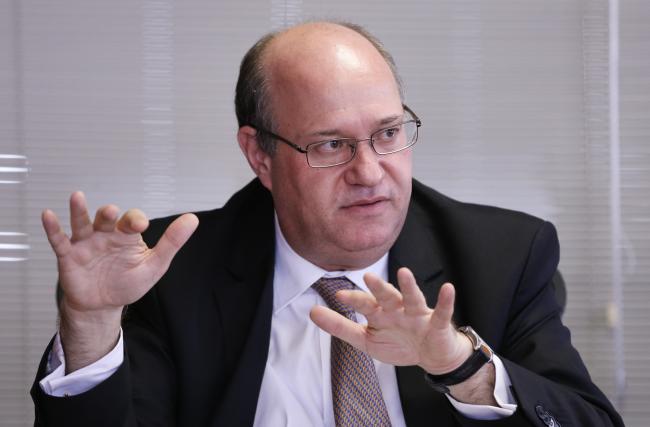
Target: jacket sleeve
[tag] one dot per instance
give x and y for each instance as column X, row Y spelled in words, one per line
column 549, row 379
column 141, row 391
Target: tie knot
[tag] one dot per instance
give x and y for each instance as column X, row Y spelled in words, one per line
column 327, row 289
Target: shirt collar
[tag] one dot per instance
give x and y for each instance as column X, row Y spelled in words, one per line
column 294, row 275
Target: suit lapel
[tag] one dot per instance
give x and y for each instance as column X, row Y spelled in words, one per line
column 239, row 403
column 244, row 299
column 418, row 248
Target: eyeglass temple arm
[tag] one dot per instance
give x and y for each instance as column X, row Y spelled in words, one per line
column 279, row 138
column 418, row 122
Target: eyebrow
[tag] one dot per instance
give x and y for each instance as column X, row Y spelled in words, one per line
column 335, row 132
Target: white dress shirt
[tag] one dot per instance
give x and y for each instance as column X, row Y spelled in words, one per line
column 296, row 387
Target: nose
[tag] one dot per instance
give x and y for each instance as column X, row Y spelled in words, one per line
column 365, row 168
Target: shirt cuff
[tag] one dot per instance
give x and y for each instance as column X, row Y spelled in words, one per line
column 502, row 395
column 57, row 383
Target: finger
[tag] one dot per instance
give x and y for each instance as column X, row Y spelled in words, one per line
column 339, row 326
column 414, row 301
column 106, row 218
column 387, row 296
column 133, row 221
column 55, row 235
column 360, row 301
column 174, row 238
column 444, row 309
column 80, row 224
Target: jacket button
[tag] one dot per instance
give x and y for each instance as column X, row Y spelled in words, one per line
column 546, row 417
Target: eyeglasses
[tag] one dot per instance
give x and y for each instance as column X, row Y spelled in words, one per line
column 334, row 152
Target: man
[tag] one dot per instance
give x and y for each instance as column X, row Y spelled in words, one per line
column 224, row 337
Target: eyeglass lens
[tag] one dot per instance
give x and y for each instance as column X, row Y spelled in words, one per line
column 384, row 141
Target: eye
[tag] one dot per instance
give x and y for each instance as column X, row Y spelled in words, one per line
column 331, row 146
column 388, row 134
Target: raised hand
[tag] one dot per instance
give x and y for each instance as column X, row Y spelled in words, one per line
column 104, row 266
column 403, row 330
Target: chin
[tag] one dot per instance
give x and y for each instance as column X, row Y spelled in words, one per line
column 358, row 247
column 368, row 240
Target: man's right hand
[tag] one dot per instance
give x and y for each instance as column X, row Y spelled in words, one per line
column 104, row 266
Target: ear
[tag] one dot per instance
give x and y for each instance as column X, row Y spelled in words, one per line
column 258, row 159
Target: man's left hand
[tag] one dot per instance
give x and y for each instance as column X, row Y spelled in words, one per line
column 402, row 329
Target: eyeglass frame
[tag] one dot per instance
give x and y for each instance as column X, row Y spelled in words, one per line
column 305, row 150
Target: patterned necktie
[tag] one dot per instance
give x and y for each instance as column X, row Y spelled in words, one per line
column 356, row 394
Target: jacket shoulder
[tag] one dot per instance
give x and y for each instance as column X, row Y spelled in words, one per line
column 481, row 221
column 246, row 206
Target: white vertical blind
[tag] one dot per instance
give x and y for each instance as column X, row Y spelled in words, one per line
column 132, row 103
column 634, row 77
column 14, row 243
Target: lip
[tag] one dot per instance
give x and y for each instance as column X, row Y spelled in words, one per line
column 366, row 204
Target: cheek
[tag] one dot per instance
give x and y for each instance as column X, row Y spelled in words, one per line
column 319, row 197
column 311, row 197
column 400, row 168
column 405, row 163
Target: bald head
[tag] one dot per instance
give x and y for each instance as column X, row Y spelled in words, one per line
column 302, row 59
column 319, row 44
column 318, row 61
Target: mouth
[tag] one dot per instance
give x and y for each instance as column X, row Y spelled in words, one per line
column 366, row 203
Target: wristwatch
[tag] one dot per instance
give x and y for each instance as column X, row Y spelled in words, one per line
column 482, row 354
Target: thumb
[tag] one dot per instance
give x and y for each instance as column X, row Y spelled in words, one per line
column 444, row 309
column 174, row 238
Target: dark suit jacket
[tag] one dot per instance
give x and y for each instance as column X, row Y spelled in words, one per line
column 196, row 344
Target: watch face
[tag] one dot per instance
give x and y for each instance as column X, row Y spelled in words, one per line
column 472, row 335
column 477, row 341
column 487, row 351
